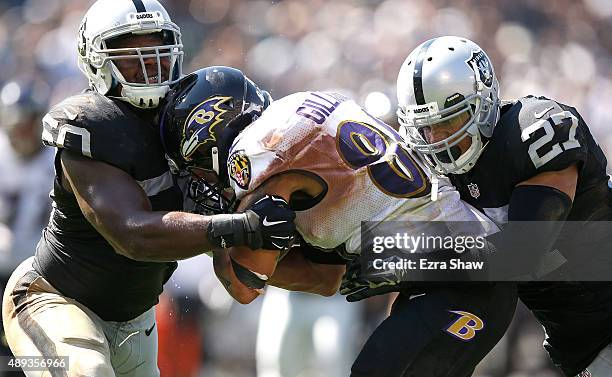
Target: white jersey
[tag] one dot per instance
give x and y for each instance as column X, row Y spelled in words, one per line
column 365, row 167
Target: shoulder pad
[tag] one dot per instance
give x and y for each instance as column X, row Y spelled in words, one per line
column 94, row 126
column 536, row 109
column 70, row 124
column 540, row 135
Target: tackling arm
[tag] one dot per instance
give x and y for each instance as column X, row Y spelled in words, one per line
column 564, row 180
column 240, row 269
column 296, row 273
column 545, row 198
column 120, row 211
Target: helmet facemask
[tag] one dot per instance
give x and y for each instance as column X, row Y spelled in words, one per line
column 440, row 80
column 208, row 187
column 444, row 155
column 210, row 198
column 202, row 116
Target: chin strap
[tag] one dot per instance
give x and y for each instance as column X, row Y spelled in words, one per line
column 468, row 159
column 145, row 97
column 435, row 185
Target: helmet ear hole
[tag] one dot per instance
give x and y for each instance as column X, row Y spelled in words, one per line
column 168, row 37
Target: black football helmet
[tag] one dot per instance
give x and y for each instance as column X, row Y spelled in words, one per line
column 202, row 115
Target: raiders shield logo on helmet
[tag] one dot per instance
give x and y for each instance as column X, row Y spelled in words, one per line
column 240, row 169
column 481, row 65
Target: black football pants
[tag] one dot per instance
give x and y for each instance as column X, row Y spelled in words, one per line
column 442, row 333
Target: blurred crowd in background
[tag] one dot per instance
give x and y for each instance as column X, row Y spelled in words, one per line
column 560, row 49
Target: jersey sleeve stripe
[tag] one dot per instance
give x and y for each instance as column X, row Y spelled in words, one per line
column 154, row 186
column 54, row 134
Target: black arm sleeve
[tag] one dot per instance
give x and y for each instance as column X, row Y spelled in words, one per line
column 538, row 203
column 536, row 216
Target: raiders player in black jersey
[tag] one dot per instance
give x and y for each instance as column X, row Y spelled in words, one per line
column 531, row 159
column 115, row 233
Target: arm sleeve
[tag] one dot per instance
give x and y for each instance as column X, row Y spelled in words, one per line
column 538, row 203
column 536, row 216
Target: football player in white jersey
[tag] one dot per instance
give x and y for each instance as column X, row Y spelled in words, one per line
column 336, row 166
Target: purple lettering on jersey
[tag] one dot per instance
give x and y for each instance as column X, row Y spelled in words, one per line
column 317, row 107
column 311, row 113
column 331, row 102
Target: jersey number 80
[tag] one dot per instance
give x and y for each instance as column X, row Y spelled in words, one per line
column 381, row 151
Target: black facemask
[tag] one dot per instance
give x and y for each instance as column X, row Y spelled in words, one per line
column 209, row 198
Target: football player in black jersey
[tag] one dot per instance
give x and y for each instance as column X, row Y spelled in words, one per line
column 115, row 233
column 530, row 159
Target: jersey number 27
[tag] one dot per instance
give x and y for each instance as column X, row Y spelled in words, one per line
column 557, row 148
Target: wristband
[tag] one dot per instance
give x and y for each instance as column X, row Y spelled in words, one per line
column 227, row 230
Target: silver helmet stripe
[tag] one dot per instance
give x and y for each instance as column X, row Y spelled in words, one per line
column 140, row 8
column 417, row 78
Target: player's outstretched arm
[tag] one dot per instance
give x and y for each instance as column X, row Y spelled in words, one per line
column 564, row 180
column 245, row 272
column 545, row 199
column 296, row 273
column 114, row 203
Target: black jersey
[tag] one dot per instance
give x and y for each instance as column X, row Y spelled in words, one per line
column 535, row 135
column 72, row 255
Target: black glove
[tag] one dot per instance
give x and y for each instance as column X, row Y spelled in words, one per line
column 359, row 283
column 267, row 224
